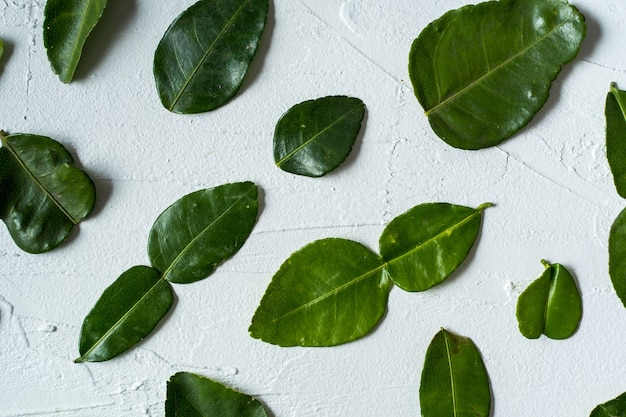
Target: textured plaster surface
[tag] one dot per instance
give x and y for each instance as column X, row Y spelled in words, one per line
column 551, row 186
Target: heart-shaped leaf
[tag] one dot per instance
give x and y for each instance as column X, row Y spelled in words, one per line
column 329, row 292
column 126, row 312
column 481, row 72
column 204, row 55
column 454, row 379
column 551, row 305
column 192, row 395
column 617, row 255
column 201, row 230
column 42, row 194
column 66, row 26
column 423, row 246
column 614, row 408
column 615, row 112
column 316, row 136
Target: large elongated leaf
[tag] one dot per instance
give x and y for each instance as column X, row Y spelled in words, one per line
column 316, row 136
column 617, row 256
column 201, row 230
column 481, row 72
column 454, row 379
column 66, row 26
column 204, row 55
column 126, row 312
column 191, row 395
column 614, row 408
column 423, row 246
column 551, row 305
column 42, row 194
column 615, row 112
column 329, row 292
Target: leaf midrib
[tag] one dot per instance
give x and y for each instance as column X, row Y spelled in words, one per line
column 205, row 56
column 451, row 370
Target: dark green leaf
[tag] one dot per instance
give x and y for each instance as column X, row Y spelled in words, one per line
column 329, row 292
column 423, row 246
column 617, row 255
column 1, row 48
column 66, row 26
column 551, row 305
column 316, row 136
column 204, row 55
column 615, row 112
column 614, row 408
column 42, row 194
column 190, row 395
column 201, row 230
column 454, row 379
column 481, row 72
column 126, row 312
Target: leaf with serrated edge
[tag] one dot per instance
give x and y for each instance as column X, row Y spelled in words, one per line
column 481, row 72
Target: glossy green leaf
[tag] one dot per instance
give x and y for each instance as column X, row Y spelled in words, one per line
column 201, row 230
column 66, row 26
column 481, row 72
column 329, row 292
column 126, row 312
column 204, row 55
column 617, row 256
column 423, row 246
column 1, row 48
column 614, row 408
column 615, row 112
column 551, row 305
column 454, row 379
column 316, row 136
column 42, row 194
column 191, row 395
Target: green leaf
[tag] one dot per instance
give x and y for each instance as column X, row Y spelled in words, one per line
column 126, row 312
column 615, row 112
column 1, row 48
column 316, row 136
column 550, row 305
column 201, row 230
column 204, row 55
column 330, row 292
column 614, row 408
column 617, row 256
column 42, row 194
column 66, row 26
column 191, row 395
column 423, row 246
column 454, row 379
column 481, row 72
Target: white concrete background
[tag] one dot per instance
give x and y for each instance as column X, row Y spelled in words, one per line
column 553, row 193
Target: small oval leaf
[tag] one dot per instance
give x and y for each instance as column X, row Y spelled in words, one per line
column 204, row 55
column 423, row 246
column 314, row 137
column 454, row 379
column 615, row 112
column 617, row 256
column 551, row 305
column 330, row 292
column 481, row 72
column 614, row 408
column 42, row 194
column 66, row 26
column 201, row 230
column 126, row 313
column 195, row 396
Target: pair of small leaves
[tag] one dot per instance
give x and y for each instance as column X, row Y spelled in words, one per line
column 454, row 379
column 333, row 291
column 66, row 26
column 481, row 72
column 193, row 395
column 614, row 408
column 551, row 305
column 186, row 243
column 314, row 137
column 42, row 193
column 204, row 55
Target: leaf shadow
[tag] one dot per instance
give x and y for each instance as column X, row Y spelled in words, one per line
column 116, row 15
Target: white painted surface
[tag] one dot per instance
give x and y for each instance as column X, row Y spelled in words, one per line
column 551, row 185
